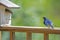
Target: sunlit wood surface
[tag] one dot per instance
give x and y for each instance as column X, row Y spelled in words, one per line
column 31, row 29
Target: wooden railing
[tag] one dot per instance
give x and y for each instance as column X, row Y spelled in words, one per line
column 29, row 30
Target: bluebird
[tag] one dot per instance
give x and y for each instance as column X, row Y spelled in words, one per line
column 48, row 23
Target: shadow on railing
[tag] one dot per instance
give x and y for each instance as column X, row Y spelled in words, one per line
column 29, row 30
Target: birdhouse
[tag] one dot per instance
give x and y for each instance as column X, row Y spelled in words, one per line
column 5, row 12
column 7, row 16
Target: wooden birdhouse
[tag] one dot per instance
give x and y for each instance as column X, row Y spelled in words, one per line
column 7, row 16
column 5, row 12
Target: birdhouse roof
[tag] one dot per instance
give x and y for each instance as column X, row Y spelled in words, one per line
column 8, row 4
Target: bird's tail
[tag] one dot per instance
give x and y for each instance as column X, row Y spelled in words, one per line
column 51, row 26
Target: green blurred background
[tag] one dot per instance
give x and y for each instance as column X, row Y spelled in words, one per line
column 32, row 11
column 30, row 14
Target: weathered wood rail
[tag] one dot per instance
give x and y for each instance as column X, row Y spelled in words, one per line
column 29, row 30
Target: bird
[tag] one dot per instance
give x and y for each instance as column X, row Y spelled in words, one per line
column 48, row 23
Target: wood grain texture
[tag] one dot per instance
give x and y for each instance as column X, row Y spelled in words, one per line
column 28, row 36
column 31, row 29
column 0, row 36
column 46, row 36
column 12, row 35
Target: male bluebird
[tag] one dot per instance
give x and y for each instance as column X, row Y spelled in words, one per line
column 48, row 23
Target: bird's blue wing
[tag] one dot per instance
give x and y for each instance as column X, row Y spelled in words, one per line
column 50, row 23
column 46, row 22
